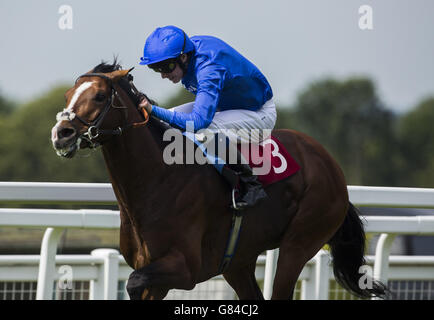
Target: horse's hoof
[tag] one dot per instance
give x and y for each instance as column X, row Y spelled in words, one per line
column 135, row 292
column 136, row 285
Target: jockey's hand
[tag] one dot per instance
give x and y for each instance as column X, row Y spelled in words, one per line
column 144, row 103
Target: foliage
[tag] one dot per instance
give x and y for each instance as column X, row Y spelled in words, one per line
column 348, row 118
column 6, row 106
column 416, row 136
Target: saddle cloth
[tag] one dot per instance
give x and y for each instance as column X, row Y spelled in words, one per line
column 270, row 161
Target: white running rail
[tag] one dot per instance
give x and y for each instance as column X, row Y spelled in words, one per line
column 57, row 220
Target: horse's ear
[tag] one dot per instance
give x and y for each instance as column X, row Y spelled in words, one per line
column 116, row 75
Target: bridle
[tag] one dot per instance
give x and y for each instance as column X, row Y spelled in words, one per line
column 94, row 127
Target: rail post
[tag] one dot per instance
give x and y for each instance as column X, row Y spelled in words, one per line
column 106, row 286
column 382, row 253
column 47, row 263
column 270, row 272
column 322, row 271
column 316, row 287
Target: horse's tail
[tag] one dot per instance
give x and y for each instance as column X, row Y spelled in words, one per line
column 347, row 248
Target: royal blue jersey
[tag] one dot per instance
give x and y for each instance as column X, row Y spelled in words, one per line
column 222, row 79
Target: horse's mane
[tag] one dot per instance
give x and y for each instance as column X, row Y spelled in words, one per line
column 105, row 67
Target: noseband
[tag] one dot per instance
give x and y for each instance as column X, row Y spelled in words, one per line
column 94, row 130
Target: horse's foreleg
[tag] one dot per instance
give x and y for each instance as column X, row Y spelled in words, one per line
column 136, row 255
column 155, row 279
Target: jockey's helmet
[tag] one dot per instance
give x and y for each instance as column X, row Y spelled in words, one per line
column 165, row 43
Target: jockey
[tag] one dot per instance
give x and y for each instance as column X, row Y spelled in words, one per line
column 231, row 93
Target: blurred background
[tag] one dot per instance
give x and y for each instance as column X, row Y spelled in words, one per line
column 366, row 94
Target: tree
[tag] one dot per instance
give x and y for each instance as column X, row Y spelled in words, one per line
column 6, row 106
column 348, row 118
column 416, row 136
column 285, row 118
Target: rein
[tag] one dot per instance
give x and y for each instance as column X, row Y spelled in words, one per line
column 94, row 128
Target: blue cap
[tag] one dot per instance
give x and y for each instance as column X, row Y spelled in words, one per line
column 165, row 43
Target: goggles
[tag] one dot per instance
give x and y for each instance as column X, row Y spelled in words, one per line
column 166, row 66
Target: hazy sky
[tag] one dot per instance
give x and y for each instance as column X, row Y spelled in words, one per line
column 292, row 42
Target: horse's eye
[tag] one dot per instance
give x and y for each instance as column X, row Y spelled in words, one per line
column 99, row 97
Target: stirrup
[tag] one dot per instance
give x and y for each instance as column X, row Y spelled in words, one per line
column 234, row 203
column 238, row 210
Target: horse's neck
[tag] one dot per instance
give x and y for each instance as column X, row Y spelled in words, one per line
column 135, row 163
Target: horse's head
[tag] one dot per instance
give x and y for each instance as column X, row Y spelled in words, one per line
column 88, row 115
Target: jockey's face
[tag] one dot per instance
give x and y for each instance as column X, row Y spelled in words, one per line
column 176, row 75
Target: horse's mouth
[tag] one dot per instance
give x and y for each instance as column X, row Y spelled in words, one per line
column 69, row 150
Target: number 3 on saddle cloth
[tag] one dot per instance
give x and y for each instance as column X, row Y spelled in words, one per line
column 269, row 160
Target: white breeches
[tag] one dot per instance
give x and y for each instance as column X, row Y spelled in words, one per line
column 240, row 124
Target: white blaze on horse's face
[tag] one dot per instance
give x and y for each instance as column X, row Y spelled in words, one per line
column 68, row 113
column 83, row 87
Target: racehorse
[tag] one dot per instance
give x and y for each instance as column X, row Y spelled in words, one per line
column 175, row 219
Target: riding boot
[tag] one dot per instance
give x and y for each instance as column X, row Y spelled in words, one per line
column 247, row 190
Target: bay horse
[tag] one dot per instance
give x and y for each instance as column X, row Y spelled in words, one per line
column 175, row 219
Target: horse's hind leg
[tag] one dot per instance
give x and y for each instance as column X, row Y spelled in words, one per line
column 311, row 228
column 244, row 283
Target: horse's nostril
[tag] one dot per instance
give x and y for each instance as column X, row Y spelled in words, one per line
column 65, row 132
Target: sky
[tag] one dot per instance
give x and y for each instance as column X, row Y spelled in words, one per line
column 293, row 42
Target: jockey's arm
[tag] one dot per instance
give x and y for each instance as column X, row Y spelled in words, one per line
column 210, row 83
